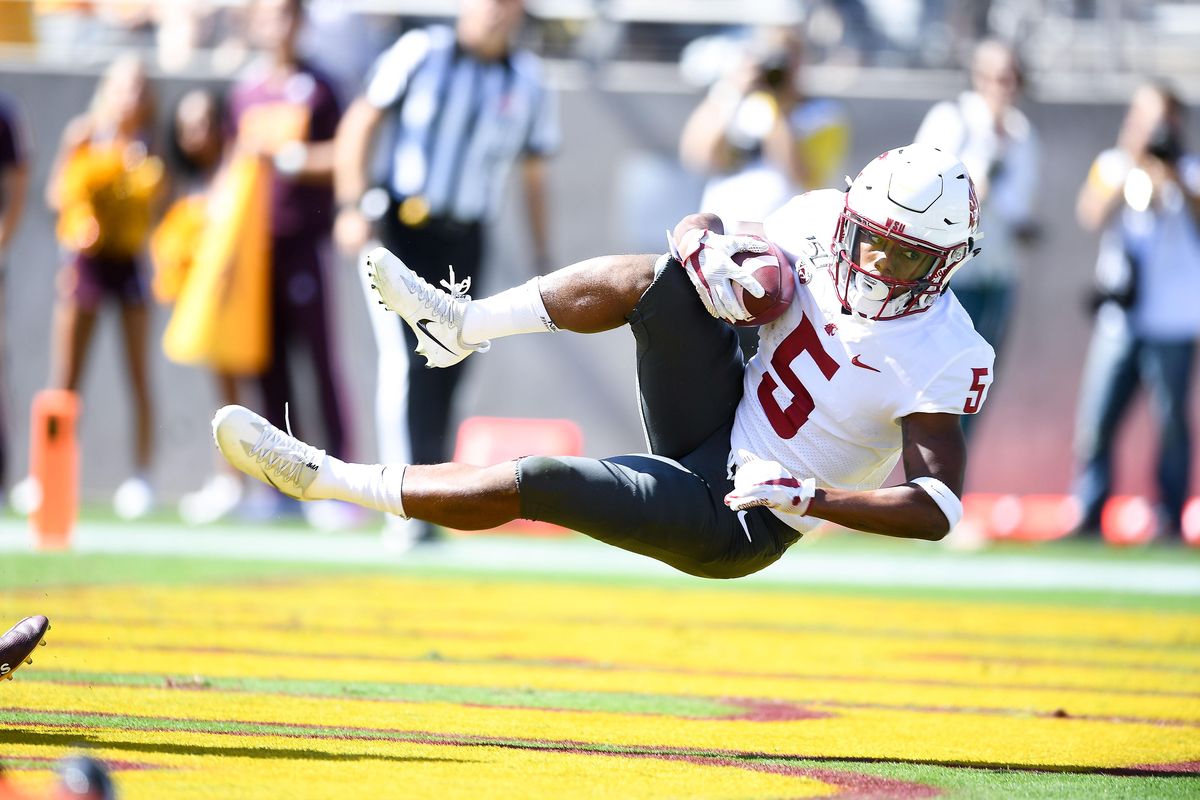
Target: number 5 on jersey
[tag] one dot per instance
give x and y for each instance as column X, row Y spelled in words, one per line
column 804, row 339
column 979, row 385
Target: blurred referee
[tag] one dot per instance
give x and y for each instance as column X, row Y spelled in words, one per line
column 463, row 105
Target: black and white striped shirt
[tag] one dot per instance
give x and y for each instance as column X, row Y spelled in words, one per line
column 461, row 123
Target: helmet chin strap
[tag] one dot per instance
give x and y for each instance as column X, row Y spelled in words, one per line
column 863, row 304
column 860, row 302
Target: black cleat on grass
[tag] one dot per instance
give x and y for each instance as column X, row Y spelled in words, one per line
column 18, row 644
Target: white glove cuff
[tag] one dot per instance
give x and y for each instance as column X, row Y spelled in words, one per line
column 808, row 490
column 946, row 500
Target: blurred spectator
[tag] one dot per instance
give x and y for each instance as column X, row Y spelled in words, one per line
column 946, row 30
column 466, row 106
column 858, row 36
column 1144, row 197
column 287, row 112
column 998, row 145
column 196, row 144
column 105, row 185
column 14, row 182
column 761, row 139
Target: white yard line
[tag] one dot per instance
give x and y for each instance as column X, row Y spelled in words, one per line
column 924, row 567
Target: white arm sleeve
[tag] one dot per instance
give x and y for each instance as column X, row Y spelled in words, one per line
column 946, row 500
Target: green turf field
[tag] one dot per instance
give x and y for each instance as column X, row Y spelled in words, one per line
column 553, row 674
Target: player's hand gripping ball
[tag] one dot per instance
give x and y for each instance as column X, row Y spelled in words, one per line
column 745, row 280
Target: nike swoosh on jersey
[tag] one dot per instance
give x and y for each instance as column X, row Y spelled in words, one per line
column 423, row 324
column 856, row 361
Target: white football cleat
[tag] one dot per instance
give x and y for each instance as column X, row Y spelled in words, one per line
column 218, row 497
column 134, row 498
column 435, row 316
column 26, row 496
column 262, row 451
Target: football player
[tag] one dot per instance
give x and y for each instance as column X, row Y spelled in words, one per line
column 873, row 361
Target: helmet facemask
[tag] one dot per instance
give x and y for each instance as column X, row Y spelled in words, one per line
column 918, row 271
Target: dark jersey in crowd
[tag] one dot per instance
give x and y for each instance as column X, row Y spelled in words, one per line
column 304, row 104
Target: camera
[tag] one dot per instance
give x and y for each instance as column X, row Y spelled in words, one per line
column 1165, row 144
column 773, row 70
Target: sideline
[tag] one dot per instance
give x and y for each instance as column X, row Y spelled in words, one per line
column 925, row 567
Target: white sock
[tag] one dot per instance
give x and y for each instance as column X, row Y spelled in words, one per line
column 375, row 486
column 516, row 310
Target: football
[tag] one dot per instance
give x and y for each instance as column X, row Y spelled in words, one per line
column 773, row 270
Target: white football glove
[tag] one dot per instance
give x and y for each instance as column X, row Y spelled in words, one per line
column 717, row 271
column 767, row 483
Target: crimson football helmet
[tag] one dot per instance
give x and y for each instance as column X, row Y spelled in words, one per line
column 915, row 206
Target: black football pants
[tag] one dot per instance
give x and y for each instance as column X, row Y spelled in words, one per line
column 668, row 504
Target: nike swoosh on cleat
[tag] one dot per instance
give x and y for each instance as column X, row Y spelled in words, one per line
column 858, row 363
column 423, row 324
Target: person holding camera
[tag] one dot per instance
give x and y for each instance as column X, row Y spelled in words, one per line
column 999, row 147
column 759, row 138
column 1144, row 197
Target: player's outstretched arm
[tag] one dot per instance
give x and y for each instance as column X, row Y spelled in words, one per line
column 933, row 449
column 926, row 507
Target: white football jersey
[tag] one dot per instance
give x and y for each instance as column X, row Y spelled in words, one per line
column 826, row 391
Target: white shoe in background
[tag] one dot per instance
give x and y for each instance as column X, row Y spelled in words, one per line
column 25, row 497
column 134, row 498
column 333, row 516
column 216, row 499
column 262, row 504
column 967, row 536
column 399, row 535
